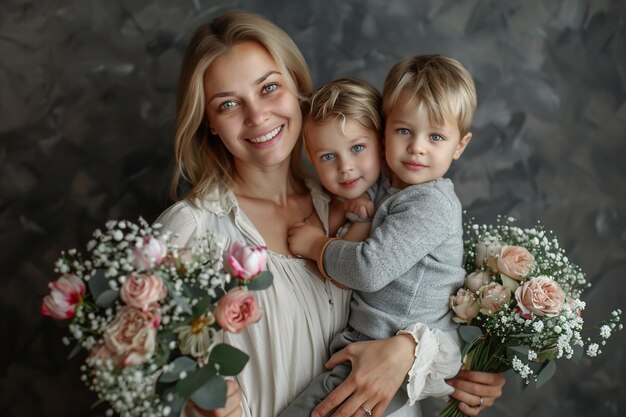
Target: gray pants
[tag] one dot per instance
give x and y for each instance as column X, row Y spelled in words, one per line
column 324, row 383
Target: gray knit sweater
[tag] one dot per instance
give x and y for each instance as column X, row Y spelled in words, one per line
column 405, row 272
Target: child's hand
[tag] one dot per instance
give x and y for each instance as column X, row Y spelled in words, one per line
column 301, row 238
column 361, row 206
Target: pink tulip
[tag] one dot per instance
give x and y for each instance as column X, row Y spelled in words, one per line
column 245, row 262
column 66, row 294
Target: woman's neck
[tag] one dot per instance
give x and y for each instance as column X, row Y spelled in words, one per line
column 274, row 184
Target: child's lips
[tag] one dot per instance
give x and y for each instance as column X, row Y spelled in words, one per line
column 414, row 166
column 350, row 183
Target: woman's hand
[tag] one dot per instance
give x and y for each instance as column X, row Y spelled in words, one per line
column 232, row 408
column 379, row 368
column 476, row 390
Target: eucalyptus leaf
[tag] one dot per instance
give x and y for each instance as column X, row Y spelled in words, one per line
column 509, row 282
column 470, row 333
column 187, row 386
column 177, row 403
column 98, row 283
column 261, row 281
column 229, row 359
column 520, row 351
column 202, row 306
column 182, row 363
column 546, row 373
column 211, row 395
column 107, row 298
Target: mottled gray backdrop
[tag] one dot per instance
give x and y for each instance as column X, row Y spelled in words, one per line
column 86, row 124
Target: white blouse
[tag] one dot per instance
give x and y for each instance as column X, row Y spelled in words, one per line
column 290, row 344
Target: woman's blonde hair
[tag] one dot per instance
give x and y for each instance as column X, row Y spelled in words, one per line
column 441, row 84
column 201, row 159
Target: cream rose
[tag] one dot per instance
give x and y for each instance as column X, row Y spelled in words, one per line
column 515, row 262
column 464, row 306
column 236, row 310
column 132, row 336
column 493, row 297
column 476, row 280
column 143, row 291
column 541, row 296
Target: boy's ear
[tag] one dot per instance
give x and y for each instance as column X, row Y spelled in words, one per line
column 460, row 147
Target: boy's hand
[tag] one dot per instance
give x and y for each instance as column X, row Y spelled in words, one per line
column 302, row 239
column 361, row 206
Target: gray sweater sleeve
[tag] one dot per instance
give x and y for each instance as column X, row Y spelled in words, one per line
column 407, row 226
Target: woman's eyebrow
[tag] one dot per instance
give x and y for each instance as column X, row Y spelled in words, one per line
column 256, row 82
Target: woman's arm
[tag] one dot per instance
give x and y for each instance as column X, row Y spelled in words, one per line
column 470, row 387
column 379, row 367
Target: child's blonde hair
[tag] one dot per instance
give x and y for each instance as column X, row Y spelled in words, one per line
column 441, row 84
column 201, row 158
column 345, row 98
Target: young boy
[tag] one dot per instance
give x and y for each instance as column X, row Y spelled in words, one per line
column 406, row 270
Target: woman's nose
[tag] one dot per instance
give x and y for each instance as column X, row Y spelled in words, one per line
column 256, row 114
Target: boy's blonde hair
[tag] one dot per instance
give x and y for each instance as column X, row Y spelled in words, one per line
column 345, row 98
column 201, row 158
column 441, row 84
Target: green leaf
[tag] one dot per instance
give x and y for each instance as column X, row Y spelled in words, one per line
column 98, row 283
column 74, row 351
column 211, row 395
column 182, row 363
column 261, row 281
column 509, row 282
column 546, row 373
column 229, row 360
column 187, row 386
column 202, row 306
column 520, row 351
column 470, row 333
column 177, row 403
column 107, row 298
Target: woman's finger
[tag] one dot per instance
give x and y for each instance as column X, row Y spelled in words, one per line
column 333, row 400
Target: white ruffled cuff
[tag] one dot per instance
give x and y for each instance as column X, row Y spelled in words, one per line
column 437, row 357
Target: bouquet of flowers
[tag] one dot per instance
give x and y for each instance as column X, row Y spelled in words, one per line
column 150, row 314
column 520, row 307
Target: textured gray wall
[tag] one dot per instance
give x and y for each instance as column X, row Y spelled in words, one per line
column 86, row 123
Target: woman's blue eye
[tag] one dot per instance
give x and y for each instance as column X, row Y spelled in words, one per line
column 227, row 105
column 403, row 131
column 327, row 157
column 358, row 148
column 269, row 88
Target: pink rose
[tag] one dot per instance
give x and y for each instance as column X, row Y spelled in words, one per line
column 245, row 262
column 515, row 262
column 541, row 296
column 132, row 336
column 66, row 293
column 476, row 280
column 493, row 297
column 102, row 352
column 236, row 310
column 464, row 306
column 143, row 291
column 486, row 252
column 149, row 252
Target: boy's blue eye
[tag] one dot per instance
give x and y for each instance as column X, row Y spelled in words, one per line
column 227, row 105
column 270, row 88
column 436, row 138
column 358, row 148
column 327, row 157
column 403, row 131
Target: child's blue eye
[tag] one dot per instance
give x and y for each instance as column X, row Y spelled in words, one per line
column 227, row 105
column 403, row 131
column 436, row 138
column 358, row 148
column 327, row 157
column 270, row 88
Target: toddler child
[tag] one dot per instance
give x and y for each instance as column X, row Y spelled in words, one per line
column 405, row 271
